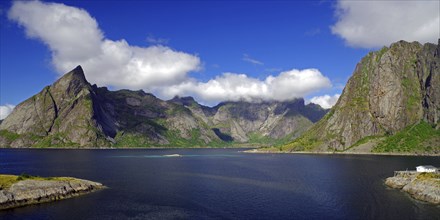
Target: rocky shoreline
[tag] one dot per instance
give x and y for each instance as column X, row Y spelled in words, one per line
column 33, row 191
column 260, row 151
column 421, row 186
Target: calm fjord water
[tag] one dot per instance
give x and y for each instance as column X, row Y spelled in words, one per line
column 220, row 184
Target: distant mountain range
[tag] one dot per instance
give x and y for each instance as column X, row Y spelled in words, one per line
column 73, row 113
column 391, row 103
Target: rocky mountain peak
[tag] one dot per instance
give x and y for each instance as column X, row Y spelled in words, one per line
column 63, row 113
column 75, row 75
column 71, row 84
column 404, row 44
column 186, row 101
column 390, row 90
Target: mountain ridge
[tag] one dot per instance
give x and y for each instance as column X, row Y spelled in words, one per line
column 73, row 113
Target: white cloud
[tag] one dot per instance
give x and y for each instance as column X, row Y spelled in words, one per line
column 231, row 86
column 325, row 101
column 247, row 58
column 74, row 38
column 5, row 110
column 370, row 24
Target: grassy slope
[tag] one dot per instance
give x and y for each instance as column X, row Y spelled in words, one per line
column 418, row 138
column 6, row 180
column 434, row 177
column 308, row 141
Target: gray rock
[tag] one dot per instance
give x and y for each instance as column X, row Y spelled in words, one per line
column 63, row 114
column 400, row 181
column 30, row 191
column 424, row 189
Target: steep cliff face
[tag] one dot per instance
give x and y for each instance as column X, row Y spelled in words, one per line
column 73, row 113
column 389, row 90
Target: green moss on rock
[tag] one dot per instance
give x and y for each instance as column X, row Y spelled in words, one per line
column 8, row 135
column 417, row 138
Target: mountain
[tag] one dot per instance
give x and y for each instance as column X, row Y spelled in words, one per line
column 63, row 113
column 391, row 103
column 271, row 120
column 73, row 113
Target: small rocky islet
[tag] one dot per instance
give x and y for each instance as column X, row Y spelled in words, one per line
column 17, row 191
column 421, row 186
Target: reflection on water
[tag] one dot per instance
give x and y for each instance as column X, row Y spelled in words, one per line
column 177, row 155
column 220, row 183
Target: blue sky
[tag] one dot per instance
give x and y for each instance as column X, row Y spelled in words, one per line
column 212, row 50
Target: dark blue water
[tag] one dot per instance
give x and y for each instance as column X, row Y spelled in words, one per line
column 220, row 184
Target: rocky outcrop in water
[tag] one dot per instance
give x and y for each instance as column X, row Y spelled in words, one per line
column 27, row 192
column 73, row 113
column 390, row 90
column 421, row 186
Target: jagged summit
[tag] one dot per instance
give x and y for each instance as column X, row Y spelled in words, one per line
column 187, row 101
column 78, row 70
column 76, row 74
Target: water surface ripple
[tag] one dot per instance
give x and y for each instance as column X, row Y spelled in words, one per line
column 220, row 184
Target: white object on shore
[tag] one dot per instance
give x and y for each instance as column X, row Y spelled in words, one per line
column 426, row 168
column 172, row 155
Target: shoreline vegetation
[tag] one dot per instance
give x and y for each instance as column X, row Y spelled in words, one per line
column 23, row 190
column 251, row 149
column 259, row 151
column 127, row 148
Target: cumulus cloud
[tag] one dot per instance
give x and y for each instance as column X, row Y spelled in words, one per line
column 370, row 24
column 231, row 86
column 325, row 101
column 5, row 110
column 247, row 58
column 73, row 36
